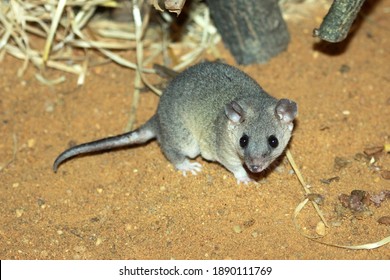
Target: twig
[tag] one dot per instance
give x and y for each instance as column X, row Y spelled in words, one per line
column 338, row 21
column 135, row 101
column 139, row 30
column 307, row 190
column 53, row 28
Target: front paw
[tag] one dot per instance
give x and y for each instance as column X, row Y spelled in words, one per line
column 193, row 167
column 240, row 174
column 244, row 179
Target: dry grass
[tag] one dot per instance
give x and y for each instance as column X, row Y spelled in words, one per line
column 72, row 33
column 316, row 237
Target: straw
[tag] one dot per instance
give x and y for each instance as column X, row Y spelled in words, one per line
column 71, row 24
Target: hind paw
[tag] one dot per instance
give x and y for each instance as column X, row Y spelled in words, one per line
column 193, row 167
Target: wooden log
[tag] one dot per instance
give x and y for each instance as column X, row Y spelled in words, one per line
column 337, row 22
column 253, row 30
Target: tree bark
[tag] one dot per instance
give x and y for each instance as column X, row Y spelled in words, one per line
column 338, row 21
column 253, row 30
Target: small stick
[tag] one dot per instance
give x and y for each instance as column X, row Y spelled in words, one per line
column 140, row 25
column 53, row 28
column 135, row 101
column 138, row 77
column 302, row 181
column 337, row 22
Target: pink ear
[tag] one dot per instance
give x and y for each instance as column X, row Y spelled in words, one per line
column 234, row 112
column 286, row 110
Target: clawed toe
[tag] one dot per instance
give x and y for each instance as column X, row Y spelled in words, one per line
column 193, row 167
column 244, row 180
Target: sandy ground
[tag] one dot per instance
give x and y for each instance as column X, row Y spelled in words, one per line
column 132, row 204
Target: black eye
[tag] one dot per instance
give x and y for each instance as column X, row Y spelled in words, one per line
column 244, row 140
column 273, row 141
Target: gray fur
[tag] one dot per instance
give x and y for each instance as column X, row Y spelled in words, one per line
column 205, row 111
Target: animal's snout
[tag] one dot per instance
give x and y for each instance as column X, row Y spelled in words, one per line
column 255, row 168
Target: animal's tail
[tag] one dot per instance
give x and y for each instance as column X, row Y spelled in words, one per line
column 141, row 135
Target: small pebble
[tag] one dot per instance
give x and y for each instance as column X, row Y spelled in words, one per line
column 19, row 212
column 359, row 194
column 320, row 229
column 237, row 229
column 31, row 143
column 340, row 163
column 385, row 220
column 378, row 198
column 249, row 223
column 98, row 241
column 372, row 151
column 361, row 157
column 330, row 180
column 366, row 199
column 128, row 227
column 385, row 174
column 94, row 219
column 355, row 203
column 41, row 202
column 344, row 199
column 346, row 113
column 344, row 68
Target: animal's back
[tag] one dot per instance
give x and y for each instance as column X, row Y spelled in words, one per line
column 196, row 96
